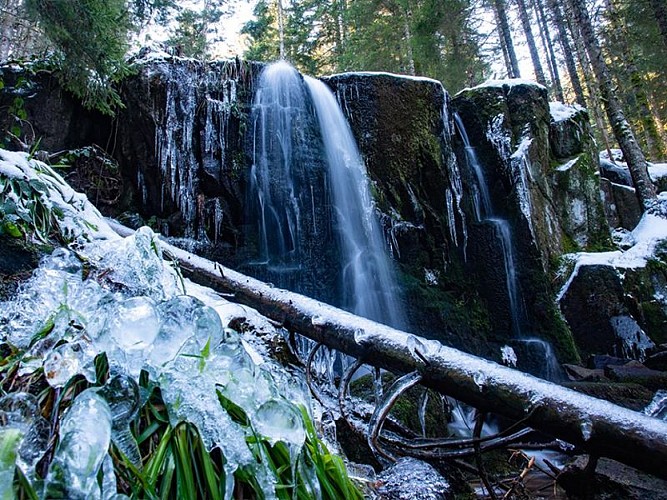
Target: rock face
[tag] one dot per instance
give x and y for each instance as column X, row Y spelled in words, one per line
column 594, row 306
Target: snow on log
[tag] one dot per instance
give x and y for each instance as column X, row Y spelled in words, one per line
column 597, row 426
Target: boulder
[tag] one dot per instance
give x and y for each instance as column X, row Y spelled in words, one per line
column 610, row 480
column 569, row 130
column 594, row 308
column 621, row 205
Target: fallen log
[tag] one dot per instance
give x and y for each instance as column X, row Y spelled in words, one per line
column 596, row 426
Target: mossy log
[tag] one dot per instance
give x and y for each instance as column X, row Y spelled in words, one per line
column 596, row 426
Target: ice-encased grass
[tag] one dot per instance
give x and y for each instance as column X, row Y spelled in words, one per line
column 132, row 359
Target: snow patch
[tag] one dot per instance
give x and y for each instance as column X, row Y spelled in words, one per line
column 509, row 82
column 561, row 112
column 657, row 171
column 567, row 166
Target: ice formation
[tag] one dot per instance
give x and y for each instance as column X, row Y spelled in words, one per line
column 134, row 307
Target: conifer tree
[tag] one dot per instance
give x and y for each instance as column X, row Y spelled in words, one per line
column 633, row 155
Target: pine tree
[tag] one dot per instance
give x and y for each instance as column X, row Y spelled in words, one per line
column 505, row 36
column 567, row 51
column 632, row 153
column 91, row 39
column 552, row 63
column 530, row 40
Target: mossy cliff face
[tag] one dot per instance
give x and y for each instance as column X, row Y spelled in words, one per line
column 508, row 124
column 404, row 131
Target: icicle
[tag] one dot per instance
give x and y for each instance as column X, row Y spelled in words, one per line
column 84, row 438
column 399, row 386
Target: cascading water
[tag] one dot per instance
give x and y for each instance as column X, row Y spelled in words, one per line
column 501, row 229
column 548, row 366
column 308, row 181
column 368, row 285
column 274, row 176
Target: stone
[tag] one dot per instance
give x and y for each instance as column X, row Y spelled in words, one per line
column 615, row 173
column 636, row 372
column 611, row 480
column 568, row 130
column 579, row 373
column 657, row 361
column 621, row 205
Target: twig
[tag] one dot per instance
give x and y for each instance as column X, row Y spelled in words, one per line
column 477, row 431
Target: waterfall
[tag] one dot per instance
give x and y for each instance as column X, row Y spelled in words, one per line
column 546, row 364
column 316, row 230
column 368, row 282
column 501, row 228
column 274, row 173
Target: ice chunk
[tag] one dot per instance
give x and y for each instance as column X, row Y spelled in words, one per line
column 658, row 406
column 66, row 361
column 84, row 438
column 122, row 395
column 63, row 260
column 136, row 324
column 279, row 420
column 508, row 356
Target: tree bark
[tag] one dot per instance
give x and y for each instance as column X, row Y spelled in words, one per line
column 506, row 37
column 532, row 47
column 598, row 427
column 281, row 28
column 635, row 87
column 557, row 14
column 660, row 10
column 633, row 155
column 549, row 48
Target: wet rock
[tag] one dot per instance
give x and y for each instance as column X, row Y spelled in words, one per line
column 610, row 480
column 594, row 306
column 657, row 361
column 412, row 479
column 636, row 372
column 579, row 373
column 615, row 173
column 601, row 361
column 569, row 130
column 621, row 205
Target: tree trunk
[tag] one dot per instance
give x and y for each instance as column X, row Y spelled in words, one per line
column 281, row 28
column 407, row 15
column 598, row 427
column 506, row 37
column 532, row 48
column 660, row 10
column 559, row 21
column 634, row 85
column 549, row 49
column 594, row 102
column 631, row 152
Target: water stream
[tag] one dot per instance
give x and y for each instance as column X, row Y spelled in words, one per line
column 368, row 284
column 547, row 367
column 309, row 192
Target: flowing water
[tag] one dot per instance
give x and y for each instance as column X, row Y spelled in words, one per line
column 310, row 194
column 501, row 228
column 368, row 284
column 542, row 361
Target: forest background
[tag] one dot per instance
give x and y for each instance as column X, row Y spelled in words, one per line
column 459, row 42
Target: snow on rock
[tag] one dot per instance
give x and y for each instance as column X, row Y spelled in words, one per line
column 567, row 166
column 641, row 243
column 561, row 112
column 509, row 82
column 657, row 171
